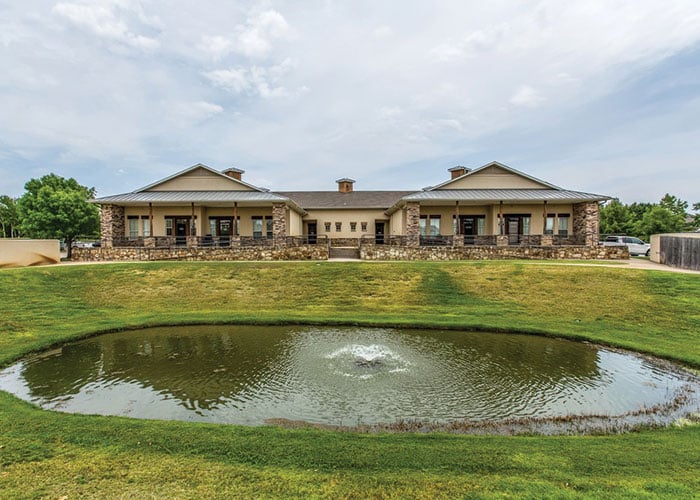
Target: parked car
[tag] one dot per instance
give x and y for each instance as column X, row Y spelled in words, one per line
column 635, row 245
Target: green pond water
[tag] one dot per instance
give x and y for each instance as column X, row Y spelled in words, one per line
column 249, row 374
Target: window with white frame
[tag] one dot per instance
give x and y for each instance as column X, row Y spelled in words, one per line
column 563, row 227
column 429, row 225
column 146, row 226
column 133, row 226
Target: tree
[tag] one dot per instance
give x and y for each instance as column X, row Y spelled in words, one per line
column 674, row 205
column 659, row 220
column 9, row 217
column 54, row 207
column 696, row 217
column 615, row 218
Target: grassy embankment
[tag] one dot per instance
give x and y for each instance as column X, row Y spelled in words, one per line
column 46, row 453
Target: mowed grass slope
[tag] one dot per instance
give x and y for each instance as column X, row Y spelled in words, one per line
column 50, row 454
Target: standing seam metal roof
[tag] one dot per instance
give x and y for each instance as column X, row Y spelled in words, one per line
column 191, row 196
column 504, row 195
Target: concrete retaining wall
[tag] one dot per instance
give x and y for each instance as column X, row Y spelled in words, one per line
column 18, row 253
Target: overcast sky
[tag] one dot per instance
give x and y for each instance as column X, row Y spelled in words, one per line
column 596, row 96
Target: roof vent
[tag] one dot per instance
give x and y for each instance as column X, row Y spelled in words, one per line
column 458, row 171
column 233, row 172
column 345, row 185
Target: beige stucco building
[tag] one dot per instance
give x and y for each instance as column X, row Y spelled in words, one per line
column 490, row 205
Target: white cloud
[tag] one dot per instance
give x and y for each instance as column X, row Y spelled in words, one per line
column 477, row 42
column 383, row 31
column 193, row 112
column 255, row 38
column 256, row 80
column 105, row 21
column 526, row 97
column 217, row 46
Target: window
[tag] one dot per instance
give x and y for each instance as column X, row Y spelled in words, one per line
column 563, row 224
column 526, row 225
column 549, row 224
column 363, row 225
column 327, row 226
column 133, row 226
column 168, row 227
column 338, row 227
column 480, row 226
column 429, row 225
column 258, row 226
column 353, row 227
column 146, row 223
column 268, row 226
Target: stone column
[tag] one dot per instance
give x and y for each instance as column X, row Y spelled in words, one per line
column 279, row 223
column 502, row 240
column 586, row 223
column 111, row 224
column 547, row 240
column 412, row 230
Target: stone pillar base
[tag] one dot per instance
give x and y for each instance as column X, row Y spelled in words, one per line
column 458, row 240
column 149, row 242
column 235, row 241
column 192, row 241
column 502, row 240
column 547, row 240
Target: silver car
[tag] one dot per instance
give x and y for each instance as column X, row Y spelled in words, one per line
column 635, row 245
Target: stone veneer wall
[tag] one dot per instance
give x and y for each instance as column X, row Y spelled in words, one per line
column 384, row 252
column 412, row 229
column 304, row 252
column 279, row 221
column 112, row 224
column 586, row 221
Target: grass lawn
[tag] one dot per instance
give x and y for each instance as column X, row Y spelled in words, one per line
column 59, row 455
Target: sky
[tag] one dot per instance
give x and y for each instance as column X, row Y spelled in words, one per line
column 594, row 96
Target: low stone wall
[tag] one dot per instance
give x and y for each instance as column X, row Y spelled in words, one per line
column 304, row 252
column 382, row 252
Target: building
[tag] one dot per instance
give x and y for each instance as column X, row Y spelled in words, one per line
column 493, row 205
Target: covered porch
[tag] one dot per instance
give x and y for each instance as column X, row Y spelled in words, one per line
column 459, row 221
column 199, row 219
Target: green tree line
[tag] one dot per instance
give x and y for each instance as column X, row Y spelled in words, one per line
column 642, row 220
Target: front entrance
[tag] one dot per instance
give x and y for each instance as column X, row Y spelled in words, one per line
column 312, row 230
column 379, row 232
column 182, row 230
column 469, row 226
column 517, row 225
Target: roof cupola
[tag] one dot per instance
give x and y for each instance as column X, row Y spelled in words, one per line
column 345, row 185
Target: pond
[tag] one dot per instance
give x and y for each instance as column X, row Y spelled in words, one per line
column 253, row 375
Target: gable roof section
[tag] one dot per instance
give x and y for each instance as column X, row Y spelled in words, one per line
column 209, row 170
column 498, row 165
